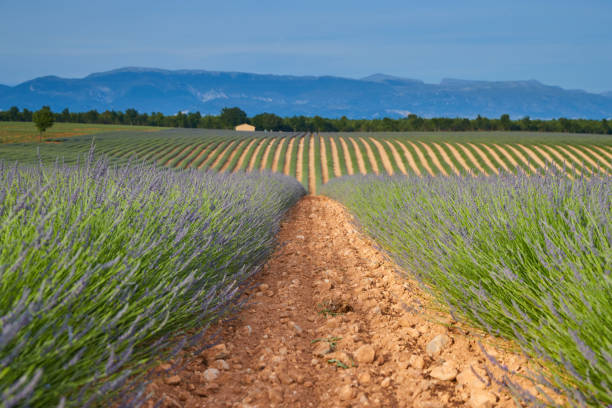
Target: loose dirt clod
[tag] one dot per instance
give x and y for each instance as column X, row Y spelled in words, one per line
column 284, row 351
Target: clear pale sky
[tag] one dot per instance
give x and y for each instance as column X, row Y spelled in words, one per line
column 561, row 42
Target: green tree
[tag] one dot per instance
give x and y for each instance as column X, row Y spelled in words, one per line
column 267, row 121
column 231, row 117
column 43, row 119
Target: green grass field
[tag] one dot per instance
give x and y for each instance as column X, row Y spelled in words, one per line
column 25, row 132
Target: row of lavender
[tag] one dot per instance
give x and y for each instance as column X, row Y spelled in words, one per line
column 527, row 258
column 104, row 270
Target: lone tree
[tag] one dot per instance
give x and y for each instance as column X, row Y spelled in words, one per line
column 231, row 117
column 43, row 119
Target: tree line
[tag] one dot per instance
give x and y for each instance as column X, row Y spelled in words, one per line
column 228, row 118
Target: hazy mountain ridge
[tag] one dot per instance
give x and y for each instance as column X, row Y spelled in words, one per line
column 378, row 95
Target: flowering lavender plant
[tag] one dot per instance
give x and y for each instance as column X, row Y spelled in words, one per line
column 105, row 268
column 527, row 258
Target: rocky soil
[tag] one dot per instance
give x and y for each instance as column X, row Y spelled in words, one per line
column 331, row 323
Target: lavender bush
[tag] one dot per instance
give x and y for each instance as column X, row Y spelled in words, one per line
column 104, row 270
column 527, row 258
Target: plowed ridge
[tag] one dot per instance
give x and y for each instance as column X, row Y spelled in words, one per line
column 335, row 157
column 324, row 167
column 359, row 156
column 383, row 156
column 347, row 157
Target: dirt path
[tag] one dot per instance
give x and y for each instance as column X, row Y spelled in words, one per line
column 244, row 154
column 277, row 153
column 335, row 157
column 287, row 169
column 324, row 167
column 331, row 324
column 446, row 158
column 397, row 157
column 384, row 157
column 347, row 156
column 358, row 156
column 370, row 155
column 312, row 179
column 409, row 158
column 422, row 158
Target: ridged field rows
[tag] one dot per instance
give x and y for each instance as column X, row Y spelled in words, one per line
column 315, row 159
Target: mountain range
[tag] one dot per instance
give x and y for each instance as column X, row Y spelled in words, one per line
column 375, row 96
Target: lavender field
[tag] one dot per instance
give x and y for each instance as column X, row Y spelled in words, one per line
column 105, row 270
column 526, row 258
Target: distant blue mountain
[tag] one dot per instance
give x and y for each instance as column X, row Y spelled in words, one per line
column 376, row 96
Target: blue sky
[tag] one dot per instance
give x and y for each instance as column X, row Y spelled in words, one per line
column 565, row 43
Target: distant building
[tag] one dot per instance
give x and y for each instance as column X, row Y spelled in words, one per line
column 245, row 127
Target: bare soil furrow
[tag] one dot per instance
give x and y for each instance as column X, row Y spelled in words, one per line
column 600, row 161
column 459, row 158
column 370, row 156
column 504, row 150
column 434, row 158
column 603, row 151
column 255, row 153
column 446, row 158
column 422, row 158
column 335, row 158
column 386, row 161
column 358, row 155
column 190, row 156
column 530, row 159
column 484, row 158
column 475, row 163
column 202, row 155
column 232, row 155
column 397, row 157
column 347, row 156
column 312, row 181
column 264, row 159
column 300, row 160
column 324, row 168
column 277, row 154
column 409, row 158
column 579, row 163
column 330, row 323
column 549, row 159
column 496, row 157
column 244, row 155
column 170, row 154
column 287, row 169
column 567, row 164
column 221, row 155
